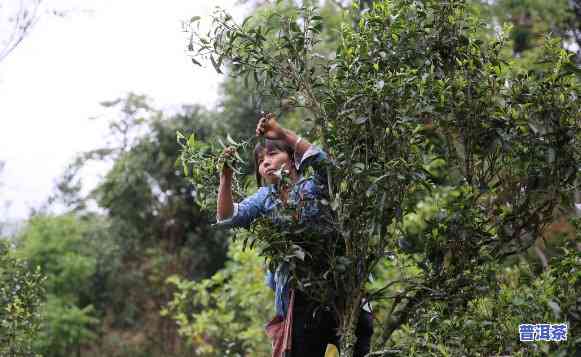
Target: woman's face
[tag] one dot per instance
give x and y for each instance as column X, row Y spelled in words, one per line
column 270, row 161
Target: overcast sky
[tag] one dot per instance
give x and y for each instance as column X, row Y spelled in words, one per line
column 52, row 83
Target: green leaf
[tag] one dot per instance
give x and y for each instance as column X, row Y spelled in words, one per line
column 317, row 28
column 294, row 27
column 238, row 157
column 230, row 140
column 195, row 62
column 191, row 140
column 358, row 167
column 360, row 120
column 179, row 136
column 245, row 21
column 186, row 169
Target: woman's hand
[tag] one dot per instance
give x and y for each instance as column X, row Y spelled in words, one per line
column 269, row 128
column 227, row 154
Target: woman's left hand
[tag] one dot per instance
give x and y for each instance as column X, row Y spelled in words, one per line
column 269, row 128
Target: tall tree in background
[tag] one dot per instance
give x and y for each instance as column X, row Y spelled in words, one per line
column 147, row 194
column 461, row 159
column 66, row 250
column 150, row 214
column 531, row 19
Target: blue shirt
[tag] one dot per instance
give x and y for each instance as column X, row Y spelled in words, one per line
column 266, row 201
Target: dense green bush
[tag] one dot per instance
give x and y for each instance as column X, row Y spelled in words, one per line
column 489, row 323
column 61, row 248
column 65, row 328
column 22, row 292
column 225, row 314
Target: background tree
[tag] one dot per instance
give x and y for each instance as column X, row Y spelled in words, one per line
column 531, row 19
column 147, row 195
column 152, row 222
column 66, row 249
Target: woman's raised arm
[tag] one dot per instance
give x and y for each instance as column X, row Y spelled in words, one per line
column 231, row 214
column 225, row 207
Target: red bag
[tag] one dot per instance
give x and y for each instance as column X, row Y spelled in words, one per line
column 280, row 329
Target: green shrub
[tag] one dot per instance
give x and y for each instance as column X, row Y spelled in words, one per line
column 22, row 290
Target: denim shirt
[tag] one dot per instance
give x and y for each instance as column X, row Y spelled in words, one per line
column 264, row 203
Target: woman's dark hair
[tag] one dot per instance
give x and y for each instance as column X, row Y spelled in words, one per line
column 269, row 144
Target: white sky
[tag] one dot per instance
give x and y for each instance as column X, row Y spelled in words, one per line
column 52, row 83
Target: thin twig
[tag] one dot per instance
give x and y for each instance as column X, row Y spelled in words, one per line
column 382, row 353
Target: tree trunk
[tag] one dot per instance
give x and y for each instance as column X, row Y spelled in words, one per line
column 348, row 337
column 578, row 197
column 400, row 315
column 349, row 325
